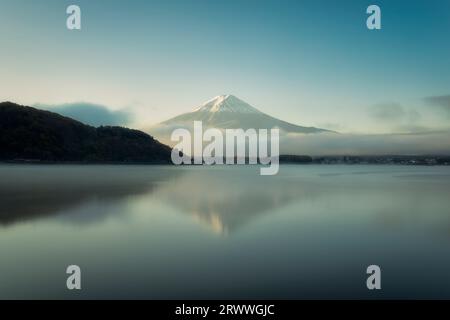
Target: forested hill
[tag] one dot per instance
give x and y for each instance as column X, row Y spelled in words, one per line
column 28, row 133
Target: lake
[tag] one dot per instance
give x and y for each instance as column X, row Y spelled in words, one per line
column 219, row 232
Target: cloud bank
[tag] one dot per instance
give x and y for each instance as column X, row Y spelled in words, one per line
column 333, row 144
column 441, row 102
column 396, row 118
column 436, row 143
column 88, row 113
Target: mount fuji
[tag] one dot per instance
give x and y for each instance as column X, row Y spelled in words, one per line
column 230, row 112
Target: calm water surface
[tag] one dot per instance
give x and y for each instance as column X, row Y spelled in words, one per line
column 224, row 232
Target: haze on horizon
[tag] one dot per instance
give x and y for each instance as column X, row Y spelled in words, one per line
column 312, row 63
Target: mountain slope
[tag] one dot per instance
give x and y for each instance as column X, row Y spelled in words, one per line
column 29, row 133
column 229, row 112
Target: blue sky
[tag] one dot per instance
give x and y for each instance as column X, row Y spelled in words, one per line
column 308, row 62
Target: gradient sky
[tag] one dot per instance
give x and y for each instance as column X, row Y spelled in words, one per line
column 307, row 62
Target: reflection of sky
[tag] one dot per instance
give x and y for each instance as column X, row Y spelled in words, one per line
column 309, row 232
column 228, row 200
column 297, row 60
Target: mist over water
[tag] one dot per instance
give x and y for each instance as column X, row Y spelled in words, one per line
column 224, row 231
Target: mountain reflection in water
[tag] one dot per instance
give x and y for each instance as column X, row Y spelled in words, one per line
column 222, row 198
column 195, row 232
column 221, row 201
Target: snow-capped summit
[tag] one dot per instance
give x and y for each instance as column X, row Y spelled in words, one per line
column 226, row 103
column 228, row 112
